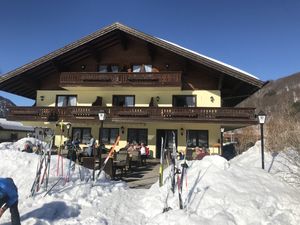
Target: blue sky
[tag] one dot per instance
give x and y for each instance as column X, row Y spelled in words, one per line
column 258, row 36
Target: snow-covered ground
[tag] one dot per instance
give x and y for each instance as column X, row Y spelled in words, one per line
column 216, row 192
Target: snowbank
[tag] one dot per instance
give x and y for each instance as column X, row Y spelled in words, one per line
column 284, row 165
column 217, row 192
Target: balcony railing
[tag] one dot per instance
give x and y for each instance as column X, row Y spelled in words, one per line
column 142, row 114
column 141, row 79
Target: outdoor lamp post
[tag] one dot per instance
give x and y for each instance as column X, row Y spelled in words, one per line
column 102, row 117
column 262, row 119
column 68, row 125
column 222, row 133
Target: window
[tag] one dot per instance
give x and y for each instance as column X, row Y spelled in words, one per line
column 66, row 100
column 123, row 100
column 108, row 68
column 137, row 136
column 197, row 138
column 184, row 100
column 142, row 68
column 83, row 134
column 109, row 135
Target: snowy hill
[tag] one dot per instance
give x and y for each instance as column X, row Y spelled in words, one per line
column 216, row 192
column 4, row 103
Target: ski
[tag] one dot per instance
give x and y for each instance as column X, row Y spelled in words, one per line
column 111, row 152
column 59, row 179
column 36, row 183
column 161, row 167
column 71, row 162
column 47, row 150
column 184, row 167
column 173, row 165
column 60, row 159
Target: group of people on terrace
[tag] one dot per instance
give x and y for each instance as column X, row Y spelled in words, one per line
column 92, row 149
column 131, row 148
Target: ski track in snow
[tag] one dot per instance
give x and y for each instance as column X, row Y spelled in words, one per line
column 217, row 192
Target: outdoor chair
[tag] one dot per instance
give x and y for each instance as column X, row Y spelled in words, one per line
column 121, row 162
column 135, row 158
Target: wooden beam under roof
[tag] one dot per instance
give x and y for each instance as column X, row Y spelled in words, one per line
column 151, row 51
column 220, row 82
column 58, row 66
column 123, row 39
column 94, row 53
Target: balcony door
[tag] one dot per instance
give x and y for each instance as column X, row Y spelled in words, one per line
column 184, row 101
column 124, row 100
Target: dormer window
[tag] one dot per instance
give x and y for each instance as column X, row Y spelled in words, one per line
column 142, row 68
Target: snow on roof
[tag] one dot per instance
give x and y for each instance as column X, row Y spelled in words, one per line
column 14, row 125
column 211, row 59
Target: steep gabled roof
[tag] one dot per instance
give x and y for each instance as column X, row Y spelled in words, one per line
column 194, row 56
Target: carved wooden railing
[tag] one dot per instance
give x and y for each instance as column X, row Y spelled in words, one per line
column 85, row 113
column 141, row 79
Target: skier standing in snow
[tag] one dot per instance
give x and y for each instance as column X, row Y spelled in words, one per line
column 9, row 199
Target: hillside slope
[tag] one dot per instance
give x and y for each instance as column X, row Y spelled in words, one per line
column 4, row 103
column 284, row 92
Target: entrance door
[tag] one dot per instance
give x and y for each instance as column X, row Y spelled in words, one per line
column 167, row 135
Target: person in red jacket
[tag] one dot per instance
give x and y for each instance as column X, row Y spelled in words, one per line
column 9, row 199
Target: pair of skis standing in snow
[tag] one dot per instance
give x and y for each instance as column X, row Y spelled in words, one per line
column 175, row 172
column 43, row 167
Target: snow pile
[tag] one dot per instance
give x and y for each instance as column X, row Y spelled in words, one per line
column 20, row 144
column 216, row 192
column 285, row 164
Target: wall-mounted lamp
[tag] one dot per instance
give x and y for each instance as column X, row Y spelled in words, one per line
column 181, row 131
column 68, row 125
column 122, row 129
column 167, row 65
column 42, row 97
column 157, row 98
column 212, row 99
column 83, row 67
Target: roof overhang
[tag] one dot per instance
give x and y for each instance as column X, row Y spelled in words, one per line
column 19, row 81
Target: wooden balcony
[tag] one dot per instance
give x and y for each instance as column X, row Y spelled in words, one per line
column 135, row 114
column 143, row 79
